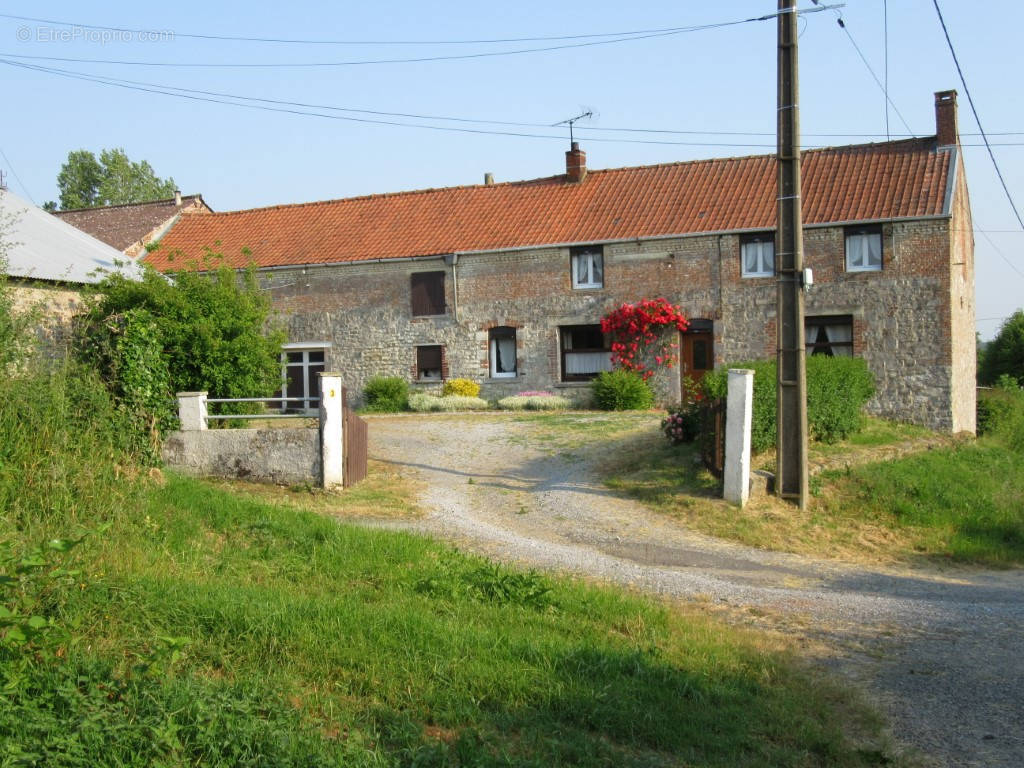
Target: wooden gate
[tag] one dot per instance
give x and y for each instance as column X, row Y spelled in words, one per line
column 353, row 431
column 712, row 436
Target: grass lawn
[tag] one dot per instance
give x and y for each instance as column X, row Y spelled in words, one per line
column 211, row 628
column 951, row 501
column 195, row 625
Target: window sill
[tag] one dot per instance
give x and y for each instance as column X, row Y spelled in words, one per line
column 429, row 317
column 427, row 382
column 588, row 287
column 503, row 379
column 757, row 277
column 863, row 269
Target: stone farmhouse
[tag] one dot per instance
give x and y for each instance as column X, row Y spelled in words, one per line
column 131, row 227
column 507, row 283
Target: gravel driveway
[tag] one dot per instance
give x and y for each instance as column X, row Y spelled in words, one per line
column 943, row 653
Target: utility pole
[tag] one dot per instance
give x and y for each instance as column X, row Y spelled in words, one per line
column 791, row 459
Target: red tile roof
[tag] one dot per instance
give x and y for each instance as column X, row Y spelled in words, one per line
column 863, row 182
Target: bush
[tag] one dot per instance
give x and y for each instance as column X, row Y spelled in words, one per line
column 534, row 401
column 622, row 390
column 213, row 329
column 1004, row 355
column 386, row 394
column 464, row 387
column 682, row 425
column 424, row 403
column 1001, row 413
column 837, row 389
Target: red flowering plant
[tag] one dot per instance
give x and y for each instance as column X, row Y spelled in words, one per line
column 637, row 328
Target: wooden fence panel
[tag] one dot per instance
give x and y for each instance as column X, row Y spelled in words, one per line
column 354, row 435
column 712, row 436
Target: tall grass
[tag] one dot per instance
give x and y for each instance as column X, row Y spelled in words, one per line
column 200, row 627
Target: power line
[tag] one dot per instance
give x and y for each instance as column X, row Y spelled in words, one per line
column 16, row 176
column 285, row 107
column 842, row 25
column 997, row 249
column 977, row 119
column 300, row 41
column 412, row 60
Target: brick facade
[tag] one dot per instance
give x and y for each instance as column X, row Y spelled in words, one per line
column 912, row 321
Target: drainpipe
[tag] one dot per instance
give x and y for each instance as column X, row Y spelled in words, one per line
column 452, row 259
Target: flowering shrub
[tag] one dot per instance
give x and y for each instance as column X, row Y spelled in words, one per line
column 636, row 327
column 533, row 401
column 423, row 403
column 682, row 425
column 464, row 387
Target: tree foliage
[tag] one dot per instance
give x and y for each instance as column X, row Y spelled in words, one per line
column 212, row 326
column 86, row 182
column 1004, row 355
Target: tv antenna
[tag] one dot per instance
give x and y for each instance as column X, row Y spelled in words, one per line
column 571, row 120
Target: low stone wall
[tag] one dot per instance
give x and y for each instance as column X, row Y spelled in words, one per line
column 284, row 456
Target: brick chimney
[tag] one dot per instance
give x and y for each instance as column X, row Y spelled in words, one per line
column 576, row 164
column 946, row 130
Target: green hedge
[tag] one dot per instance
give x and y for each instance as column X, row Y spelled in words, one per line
column 837, row 389
column 386, row 394
column 1001, row 414
column 622, row 390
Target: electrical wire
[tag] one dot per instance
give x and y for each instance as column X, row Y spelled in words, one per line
column 974, row 111
column 412, row 60
column 226, row 99
column 299, row 41
column 16, row 176
column 998, row 250
column 842, row 25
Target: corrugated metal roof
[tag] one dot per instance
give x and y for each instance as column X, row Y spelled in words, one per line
column 861, row 182
column 42, row 247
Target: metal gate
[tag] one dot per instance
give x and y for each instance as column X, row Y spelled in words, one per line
column 354, row 436
column 712, row 436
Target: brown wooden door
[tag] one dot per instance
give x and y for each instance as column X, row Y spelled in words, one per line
column 696, row 354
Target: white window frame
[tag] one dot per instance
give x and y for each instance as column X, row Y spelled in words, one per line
column 761, row 243
column 593, row 254
column 864, row 232
column 310, row 403
column 492, row 344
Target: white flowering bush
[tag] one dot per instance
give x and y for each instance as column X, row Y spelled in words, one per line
column 534, row 401
column 424, row 403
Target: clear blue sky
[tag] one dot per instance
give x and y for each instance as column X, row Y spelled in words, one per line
column 717, row 80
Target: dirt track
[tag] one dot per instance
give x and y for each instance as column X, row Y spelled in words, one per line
column 942, row 654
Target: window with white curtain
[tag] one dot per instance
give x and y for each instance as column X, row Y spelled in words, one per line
column 503, row 362
column 863, row 249
column 829, row 335
column 587, row 266
column 585, row 353
column 757, row 255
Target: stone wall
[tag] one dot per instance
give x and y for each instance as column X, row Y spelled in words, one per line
column 901, row 315
column 283, row 456
column 55, row 306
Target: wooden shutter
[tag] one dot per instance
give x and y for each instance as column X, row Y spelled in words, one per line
column 427, row 290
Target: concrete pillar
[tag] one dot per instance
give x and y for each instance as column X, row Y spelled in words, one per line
column 332, row 459
column 738, row 419
column 192, row 411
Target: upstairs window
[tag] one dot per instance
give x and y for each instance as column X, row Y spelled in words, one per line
column 503, row 353
column 757, row 255
column 829, row 335
column 587, row 267
column 429, row 362
column 863, row 249
column 427, row 290
column 585, row 352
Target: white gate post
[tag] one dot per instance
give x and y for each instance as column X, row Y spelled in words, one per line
column 332, row 459
column 738, row 419
column 192, row 410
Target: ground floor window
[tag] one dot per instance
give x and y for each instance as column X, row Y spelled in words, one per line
column 585, row 352
column 301, row 367
column 503, row 353
column 830, row 335
column 428, row 362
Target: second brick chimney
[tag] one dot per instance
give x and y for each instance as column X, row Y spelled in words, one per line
column 575, row 164
column 946, row 130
